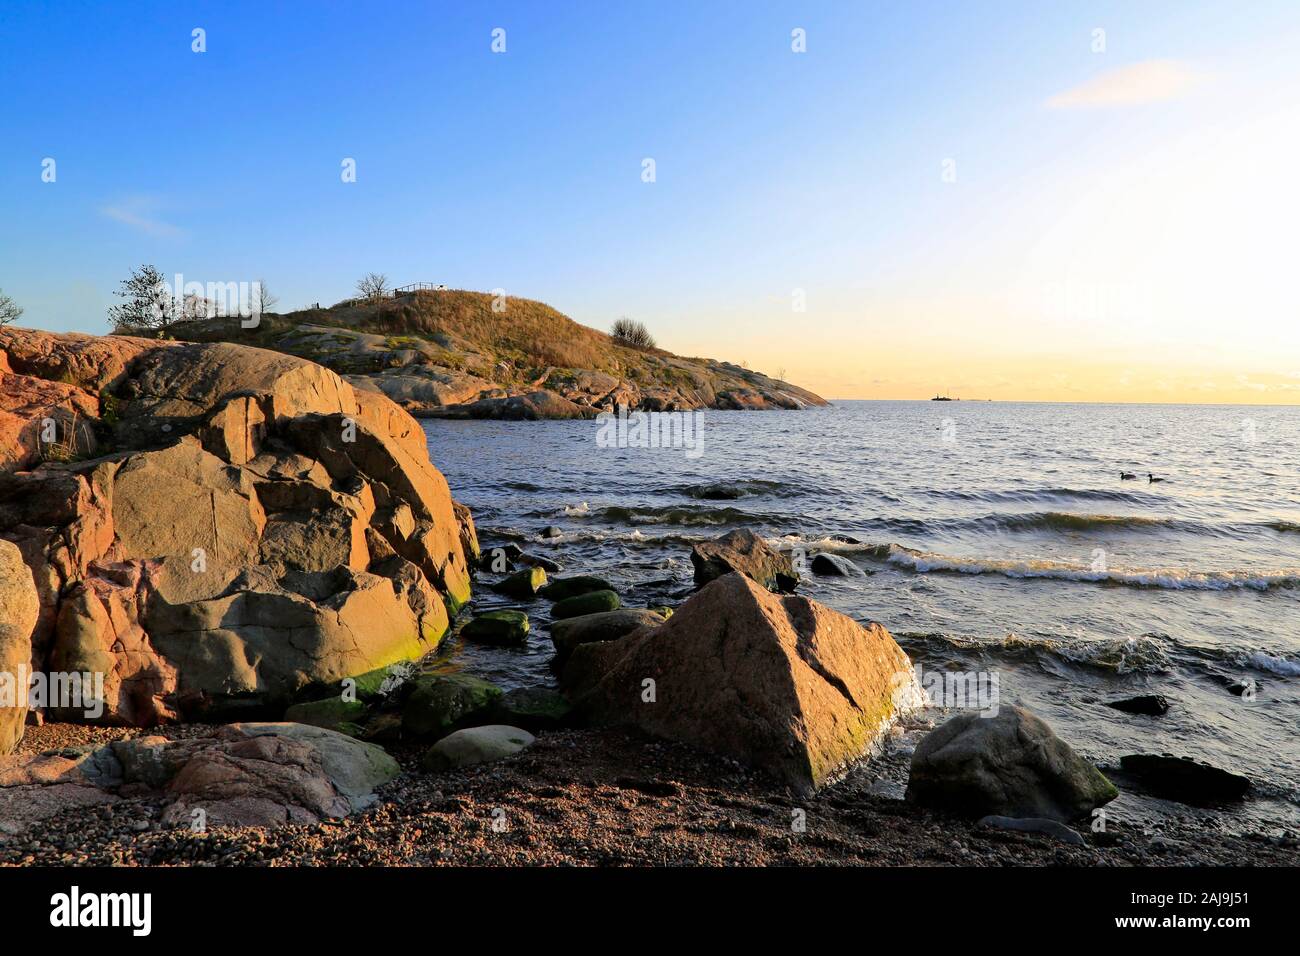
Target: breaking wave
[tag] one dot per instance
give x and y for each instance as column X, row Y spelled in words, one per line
column 1147, row 654
column 926, row 562
column 1013, row 495
column 682, row 515
column 1178, row 579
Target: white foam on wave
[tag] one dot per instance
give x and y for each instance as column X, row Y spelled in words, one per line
column 1179, row 579
column 1124, row 655
column 1274, row 665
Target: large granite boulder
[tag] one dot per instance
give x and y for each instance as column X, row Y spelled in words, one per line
column 1010, row 765
column 241, row 526
column 745, row 552
column 781, row 683
column 19, row 606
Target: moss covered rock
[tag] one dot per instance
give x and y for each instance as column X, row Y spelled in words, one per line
column 593, row 628
column 503, row 628
column 592, row 603
column 562, row 588
column 523, row 584
column 441, row 703
column 333, row 713
column 532, row 708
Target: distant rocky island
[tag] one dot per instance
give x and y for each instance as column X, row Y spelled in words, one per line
column 459, row 354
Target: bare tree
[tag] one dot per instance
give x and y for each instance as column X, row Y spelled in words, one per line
column 632, row 333
column 263, row 301
column 194, row 307
column 373, row 285
column 9, row 309
column 148, row 304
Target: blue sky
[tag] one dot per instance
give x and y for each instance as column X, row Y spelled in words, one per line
column 775, row 171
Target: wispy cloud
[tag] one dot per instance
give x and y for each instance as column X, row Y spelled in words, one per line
column 141, row 212
column 1147, row 82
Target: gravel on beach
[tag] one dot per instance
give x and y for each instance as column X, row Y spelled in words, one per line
column 607, row 798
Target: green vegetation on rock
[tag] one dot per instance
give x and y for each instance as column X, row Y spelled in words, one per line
column 591, row 603
column 523, row 584
column 441, row 703
column 333, row 713
column 497, row 627
column 562, row 588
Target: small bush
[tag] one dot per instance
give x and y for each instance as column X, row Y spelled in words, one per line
column 632, row 333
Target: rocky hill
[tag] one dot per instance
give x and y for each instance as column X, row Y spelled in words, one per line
column 212, row 528
column 449, row 354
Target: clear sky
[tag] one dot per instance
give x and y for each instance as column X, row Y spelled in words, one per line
column 970, row 197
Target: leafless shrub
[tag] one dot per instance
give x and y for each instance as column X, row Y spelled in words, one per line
column 632, row 333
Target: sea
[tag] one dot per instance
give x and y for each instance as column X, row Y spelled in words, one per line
column 994, row 539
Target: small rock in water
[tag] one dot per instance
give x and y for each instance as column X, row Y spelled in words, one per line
column 591, row 603
column 562, row 588
column 522, row 584
column 551, row 531
column 568, row 633
column 1051, row 828
column 834, row 566
column 744, row 551
column 546, row 564
column 720, row 492
column 497, row 627
column 1151, row 704
column 500, row 557
column 1183, row 780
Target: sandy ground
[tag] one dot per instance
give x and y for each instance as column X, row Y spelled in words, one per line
column 600, row 798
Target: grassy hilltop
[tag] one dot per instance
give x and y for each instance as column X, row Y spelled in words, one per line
column 448, row 353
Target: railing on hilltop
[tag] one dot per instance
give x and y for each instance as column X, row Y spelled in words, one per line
column 399, row 292
column 419, row 287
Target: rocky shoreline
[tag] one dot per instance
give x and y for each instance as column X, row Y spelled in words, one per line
column 242, row 555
